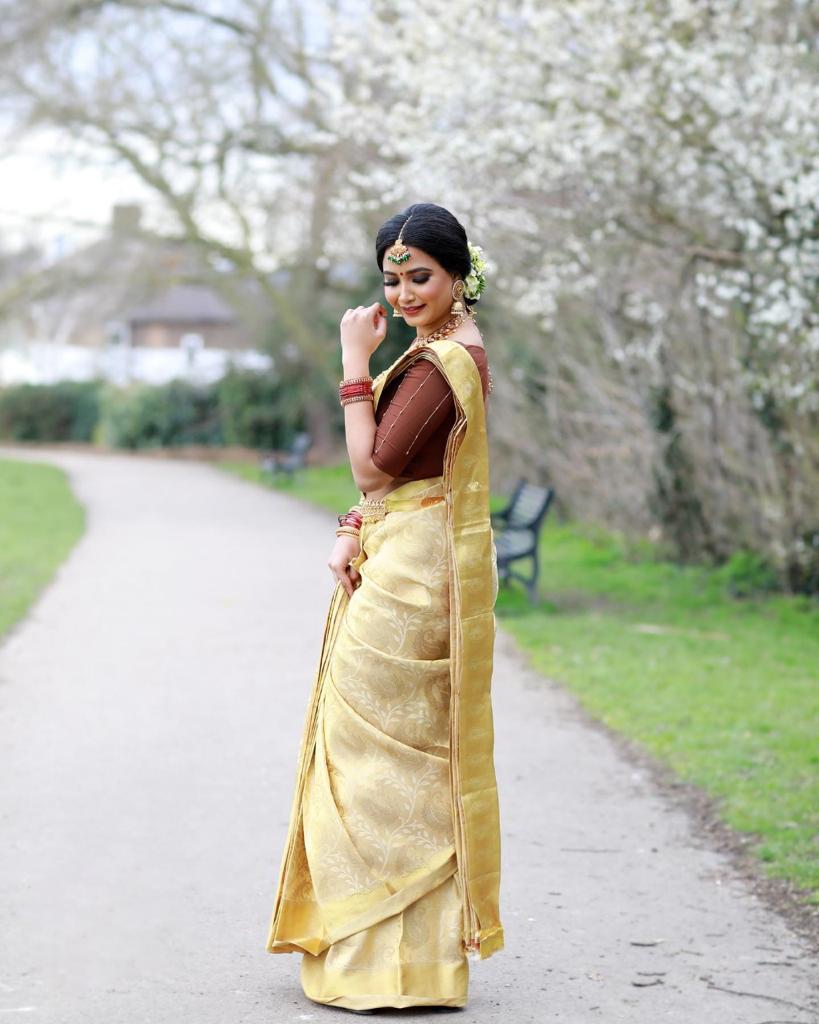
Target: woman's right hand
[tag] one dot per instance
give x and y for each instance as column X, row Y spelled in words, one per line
column 362, row 331
column 345, row 550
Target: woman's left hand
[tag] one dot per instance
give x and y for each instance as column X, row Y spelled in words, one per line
column 346, row 549
column 362, row 330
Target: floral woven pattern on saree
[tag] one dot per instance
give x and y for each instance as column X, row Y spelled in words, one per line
column 371, row 887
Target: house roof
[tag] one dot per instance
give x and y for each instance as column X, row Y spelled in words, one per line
column 183, row 304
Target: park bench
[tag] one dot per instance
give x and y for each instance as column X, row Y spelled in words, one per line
column 516, row 531
column 290, row 459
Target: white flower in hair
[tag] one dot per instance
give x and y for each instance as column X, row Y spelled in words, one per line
column 475, row 281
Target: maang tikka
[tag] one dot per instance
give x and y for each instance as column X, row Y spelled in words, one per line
column 398, row 252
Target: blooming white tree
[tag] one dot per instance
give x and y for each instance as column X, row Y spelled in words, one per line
column 678, row 128
column 647, row 173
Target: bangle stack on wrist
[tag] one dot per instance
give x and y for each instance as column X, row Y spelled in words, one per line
column 349, row 523
column 356, row 389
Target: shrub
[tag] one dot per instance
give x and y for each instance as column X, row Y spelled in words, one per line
column 747, row 573
column 260, row 410
column 67, row 411
column 169, row 415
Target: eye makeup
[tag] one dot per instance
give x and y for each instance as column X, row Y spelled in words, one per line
column 415, row 280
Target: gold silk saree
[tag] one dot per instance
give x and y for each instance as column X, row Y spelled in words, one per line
column 391, row 868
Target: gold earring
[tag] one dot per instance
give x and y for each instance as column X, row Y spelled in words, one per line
column 457, row 306
column 396, row 313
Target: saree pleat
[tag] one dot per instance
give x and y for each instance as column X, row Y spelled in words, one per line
column 372, row 884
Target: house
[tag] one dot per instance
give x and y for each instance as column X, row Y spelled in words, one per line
column 186, row 331
column 134, row 307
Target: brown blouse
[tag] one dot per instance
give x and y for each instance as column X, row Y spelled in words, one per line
column 415, row 414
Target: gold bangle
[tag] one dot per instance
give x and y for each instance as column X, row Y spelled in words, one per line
column 356, row 398
column 349, row 531
column 355, row 380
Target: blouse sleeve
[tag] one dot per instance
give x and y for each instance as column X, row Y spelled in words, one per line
column 420, row 404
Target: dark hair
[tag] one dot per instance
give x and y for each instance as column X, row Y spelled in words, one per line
column 433, row 229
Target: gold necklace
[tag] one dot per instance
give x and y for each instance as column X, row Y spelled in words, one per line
column 443, row 331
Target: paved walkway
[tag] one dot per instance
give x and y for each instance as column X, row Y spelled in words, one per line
column 150, row 712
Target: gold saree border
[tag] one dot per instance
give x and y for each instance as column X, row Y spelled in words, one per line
column 476, row 815
column 320, row 927
column 446, row 984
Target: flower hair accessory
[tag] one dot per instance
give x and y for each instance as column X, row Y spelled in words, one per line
column 475, row 281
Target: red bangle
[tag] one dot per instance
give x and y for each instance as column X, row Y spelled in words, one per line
column 362, row 388
column 353, row 518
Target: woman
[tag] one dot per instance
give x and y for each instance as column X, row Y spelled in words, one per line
column 391, row 869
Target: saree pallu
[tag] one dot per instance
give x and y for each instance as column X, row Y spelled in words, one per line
column 391, row 866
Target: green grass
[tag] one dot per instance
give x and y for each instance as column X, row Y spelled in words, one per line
column 723, row 690
column 326, row 486
column 40, row 521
